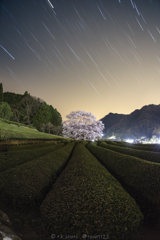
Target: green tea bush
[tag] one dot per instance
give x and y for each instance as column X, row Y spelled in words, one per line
column 25, row 186
column 139, row 177
column 144, row 147
column 13, row 159
column 146, row 155
column 86, row 198
column 66, row 141
column 84, row 143
column 30, row 146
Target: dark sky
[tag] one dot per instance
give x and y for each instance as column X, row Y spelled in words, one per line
column 97, row 56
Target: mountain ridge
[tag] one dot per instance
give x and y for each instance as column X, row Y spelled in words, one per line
column 141, row 122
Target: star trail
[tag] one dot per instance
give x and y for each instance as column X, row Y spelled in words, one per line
column 92, row 55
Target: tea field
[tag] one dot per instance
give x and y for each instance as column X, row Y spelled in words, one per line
column 84, row 189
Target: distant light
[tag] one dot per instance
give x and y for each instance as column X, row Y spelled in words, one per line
column 112, row 137
column 130, row 140
column 92, row 140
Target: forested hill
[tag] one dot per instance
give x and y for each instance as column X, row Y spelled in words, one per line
column 31, row 110
column 110, row 120
column 141, row 122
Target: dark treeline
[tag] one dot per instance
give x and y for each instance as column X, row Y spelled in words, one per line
column 31, row 111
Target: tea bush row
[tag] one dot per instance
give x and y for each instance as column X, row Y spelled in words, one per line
column 86, row 198
column 30, row 146
column 139, row 177
column 12, row 159
column 145, row 147
column 146, row 155
column 25, row 186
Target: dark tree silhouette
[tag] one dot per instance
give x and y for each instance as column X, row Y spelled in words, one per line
column 1, row 94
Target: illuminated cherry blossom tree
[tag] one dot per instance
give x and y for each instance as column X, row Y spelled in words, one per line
column 82, row 126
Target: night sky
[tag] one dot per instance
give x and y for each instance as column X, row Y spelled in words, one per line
column 98, row 56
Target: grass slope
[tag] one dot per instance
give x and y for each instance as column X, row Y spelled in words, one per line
column 16, row 130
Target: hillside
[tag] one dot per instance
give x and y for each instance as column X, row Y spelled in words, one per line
column 141, row 122
column 111, row 119
column 14, row 130
column 34, row 111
